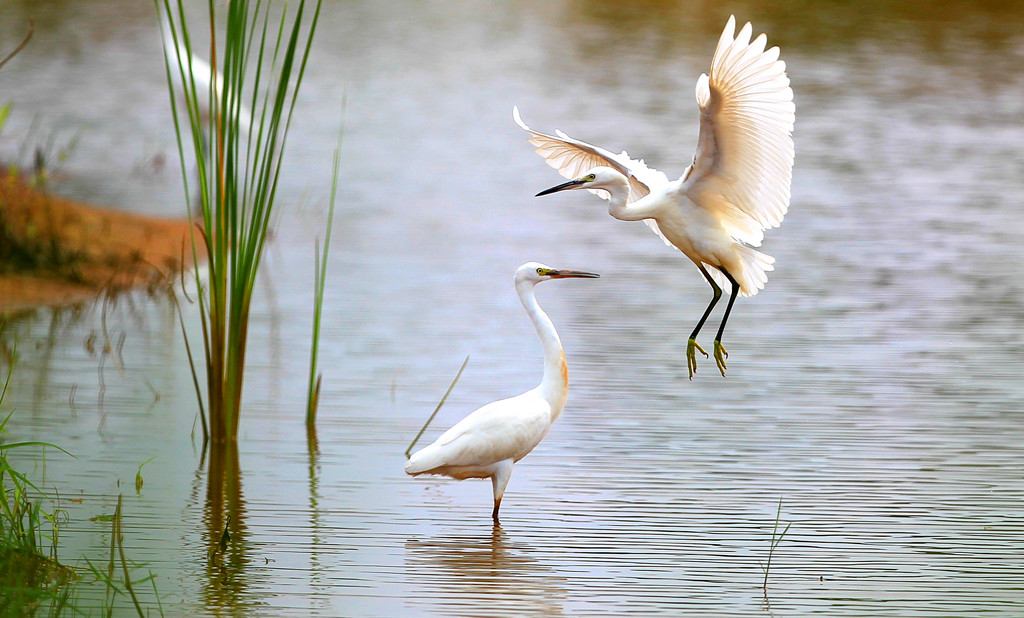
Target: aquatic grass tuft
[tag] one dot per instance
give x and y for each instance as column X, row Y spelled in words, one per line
column 774, row 543
column 32, row 580
column 31, row 577
column 138, row 475
column 259, row 71
column 438, row 408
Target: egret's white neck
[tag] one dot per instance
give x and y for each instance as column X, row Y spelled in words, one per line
column 619, row 194
column 555, row 385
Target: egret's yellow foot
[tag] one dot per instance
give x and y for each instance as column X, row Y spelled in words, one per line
column 720, row 355
column 691, row 355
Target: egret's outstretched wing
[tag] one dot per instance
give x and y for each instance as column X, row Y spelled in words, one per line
column 743, row 167
column 572, row 157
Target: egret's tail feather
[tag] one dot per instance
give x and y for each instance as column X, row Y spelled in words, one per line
column 424, row 460
column 753, row 271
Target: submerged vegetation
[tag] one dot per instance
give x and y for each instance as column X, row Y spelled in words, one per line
column 255, row 72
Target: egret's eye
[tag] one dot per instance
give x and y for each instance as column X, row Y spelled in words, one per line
column 540, row 271
column 589, row 178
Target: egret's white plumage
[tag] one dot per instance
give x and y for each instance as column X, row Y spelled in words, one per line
column 737, row 186
column 202, row 76
column 486, row 443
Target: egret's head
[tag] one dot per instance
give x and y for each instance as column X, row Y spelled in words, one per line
column 535, row 272
column 596, row 178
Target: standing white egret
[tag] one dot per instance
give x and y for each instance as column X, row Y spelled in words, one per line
column 486, row 443
column 737, row 186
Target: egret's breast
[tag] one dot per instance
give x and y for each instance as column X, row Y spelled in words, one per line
column 675, row 230
column 694, row 231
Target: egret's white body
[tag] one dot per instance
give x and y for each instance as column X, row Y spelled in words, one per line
column 489, row 441
column 737, row 186
column 202, row 76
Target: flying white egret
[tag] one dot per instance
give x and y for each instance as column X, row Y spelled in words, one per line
column 486, row 443
column 737, row 186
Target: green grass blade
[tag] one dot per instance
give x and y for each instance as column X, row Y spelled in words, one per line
column 773, row 544
column 438, row 408
column 319, row 283
column 4, row 447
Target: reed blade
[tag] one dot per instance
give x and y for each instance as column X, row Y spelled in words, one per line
column 438, row 408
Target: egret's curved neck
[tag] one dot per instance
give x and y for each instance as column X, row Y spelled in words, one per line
column 555, row 385
column 617, row 207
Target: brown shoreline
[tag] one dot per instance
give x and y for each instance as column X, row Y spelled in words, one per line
column 55, row 251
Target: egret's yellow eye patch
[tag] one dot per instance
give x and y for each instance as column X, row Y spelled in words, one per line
column 543, row 271
column 589, row 178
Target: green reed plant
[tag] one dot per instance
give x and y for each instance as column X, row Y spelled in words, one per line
column 319, row 281
column 257, row 75
column 776, row 539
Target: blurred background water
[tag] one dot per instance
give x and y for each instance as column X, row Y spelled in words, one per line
column 873, row 385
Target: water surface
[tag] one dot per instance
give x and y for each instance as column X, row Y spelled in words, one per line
column 873, row 386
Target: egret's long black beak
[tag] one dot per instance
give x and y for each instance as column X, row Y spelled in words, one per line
column 572, row 184
column 572, row 274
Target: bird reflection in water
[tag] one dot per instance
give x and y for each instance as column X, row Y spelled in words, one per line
column 462, row 574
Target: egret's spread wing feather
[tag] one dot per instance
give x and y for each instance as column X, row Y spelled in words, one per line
column 571, row 158
column 743, row 167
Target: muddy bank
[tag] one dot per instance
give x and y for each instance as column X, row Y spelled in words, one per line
column 55, row 251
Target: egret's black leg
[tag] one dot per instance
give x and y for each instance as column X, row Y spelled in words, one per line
column 720, row 353
column 692, row 346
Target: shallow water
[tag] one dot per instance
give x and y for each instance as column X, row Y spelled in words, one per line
column 873, row 386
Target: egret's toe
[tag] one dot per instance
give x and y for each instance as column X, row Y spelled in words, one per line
column 691, row 355
column 720, row 355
